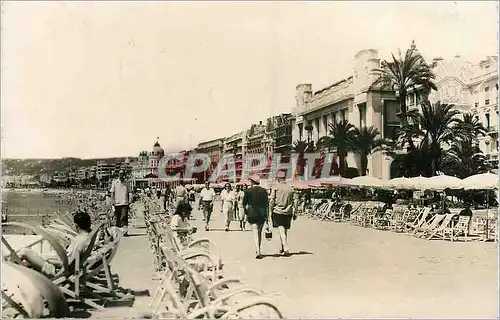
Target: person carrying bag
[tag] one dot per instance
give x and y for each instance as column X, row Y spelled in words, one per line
column 256, row 202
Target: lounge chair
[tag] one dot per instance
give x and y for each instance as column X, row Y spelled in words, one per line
column 429, row 227
column 420, row 220
column 219, row 296
column 437, row 228
column 48, row 291
column 70, row 278
column 459, row 229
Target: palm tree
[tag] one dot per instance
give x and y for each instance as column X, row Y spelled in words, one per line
column 341, row 137
column 403, row 74
column 440, row 127
column 301, row 147
column 366, row 142
column 433, row 129
column 473, row 127
column 463, row 160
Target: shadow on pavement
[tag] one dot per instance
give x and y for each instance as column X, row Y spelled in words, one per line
column 230, row 230
column 276, row 255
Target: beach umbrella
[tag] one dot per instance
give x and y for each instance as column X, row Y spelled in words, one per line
column 334, row 181
column 418, row 183
column 314, row 183
column 399, row 183
column 442, row 182
column 368, row 182
column 301, row 184
column 483, row 181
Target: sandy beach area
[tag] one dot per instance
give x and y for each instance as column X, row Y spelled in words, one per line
column 340, row 270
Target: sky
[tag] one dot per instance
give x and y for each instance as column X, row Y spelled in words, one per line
column 104, row 79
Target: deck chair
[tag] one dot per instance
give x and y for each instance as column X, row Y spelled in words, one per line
column 436, row 231
column 69, row 277
column 100, row 279
column 429, row 227
column 185, row 294
column 56, row 304
column 461, row 228
column 216, row 297
column 420, row 220
column 165, row 235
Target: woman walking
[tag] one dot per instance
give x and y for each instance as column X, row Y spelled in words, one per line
column 256, row 201
column 240, row 208
column 228, row 196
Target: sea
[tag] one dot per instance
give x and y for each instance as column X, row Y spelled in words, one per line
column 31, row 206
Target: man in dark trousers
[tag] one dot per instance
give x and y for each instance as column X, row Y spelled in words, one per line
column 256, row 202
column 120, row 200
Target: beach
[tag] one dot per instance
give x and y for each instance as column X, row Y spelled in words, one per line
column 338, row 270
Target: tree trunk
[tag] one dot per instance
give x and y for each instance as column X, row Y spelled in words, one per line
column 364, row 164
column 342, row 164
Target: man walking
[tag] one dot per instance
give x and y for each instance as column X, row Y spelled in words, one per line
column 181, row 194
column 207, row 197
column 120, row 200
column 282, row 208
column 256, row 201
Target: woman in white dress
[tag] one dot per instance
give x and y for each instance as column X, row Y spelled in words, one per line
column 228, row 196
column 239, row 207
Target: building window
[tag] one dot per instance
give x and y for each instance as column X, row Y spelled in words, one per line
column 486, row 89
column 487, row 102
column 476, row 104
column 487, row 121
column 362, row 115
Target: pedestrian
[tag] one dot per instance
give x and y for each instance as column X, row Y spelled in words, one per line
column 192, row 196
column 181, row 194
column 164, row 197
column 256, row 202
column 180, row 224
column 228, row 197
column 239, row 207
column 282, row 211
column 207, row 197
column 120, row 200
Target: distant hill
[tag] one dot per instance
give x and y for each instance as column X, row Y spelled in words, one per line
column 51, row 166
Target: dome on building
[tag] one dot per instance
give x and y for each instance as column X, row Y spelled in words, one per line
column 157, row 150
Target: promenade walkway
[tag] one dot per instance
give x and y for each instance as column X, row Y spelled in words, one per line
column 339, row 270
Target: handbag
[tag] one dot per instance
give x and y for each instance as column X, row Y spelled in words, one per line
column 268, row 234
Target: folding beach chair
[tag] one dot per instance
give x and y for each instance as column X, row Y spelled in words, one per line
column 70, row 278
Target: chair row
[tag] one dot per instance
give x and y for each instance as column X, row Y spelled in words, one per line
column 416, row 221
column 192, row 283
column 84, row 279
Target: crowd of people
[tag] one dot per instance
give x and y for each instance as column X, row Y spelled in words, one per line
column 246, row 204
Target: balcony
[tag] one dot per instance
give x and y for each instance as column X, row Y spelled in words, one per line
column 492, row 130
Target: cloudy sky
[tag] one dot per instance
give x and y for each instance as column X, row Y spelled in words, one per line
column 99, row 79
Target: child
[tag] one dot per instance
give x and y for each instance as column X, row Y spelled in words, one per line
column 180, row 225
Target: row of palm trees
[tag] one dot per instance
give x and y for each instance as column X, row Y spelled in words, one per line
column 430, row 140
column 442, row 142
column 343, row 138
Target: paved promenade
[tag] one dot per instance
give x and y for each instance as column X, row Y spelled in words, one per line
column 340, row 270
